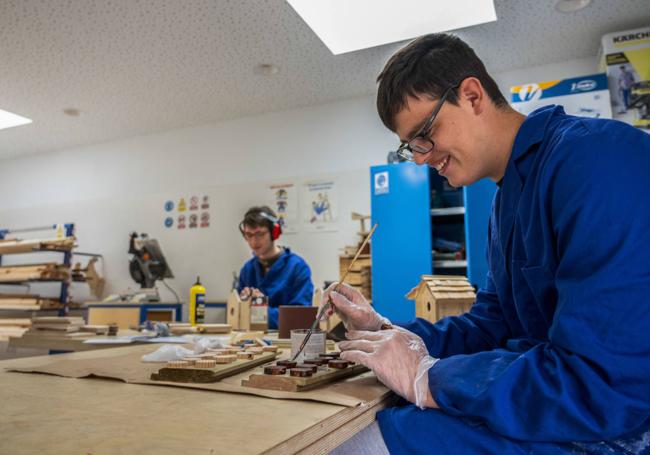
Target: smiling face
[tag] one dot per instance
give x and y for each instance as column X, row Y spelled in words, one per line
column 460, row 134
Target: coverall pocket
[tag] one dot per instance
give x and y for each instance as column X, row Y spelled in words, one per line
column 541, row 281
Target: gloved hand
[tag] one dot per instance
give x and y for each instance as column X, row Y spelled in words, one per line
column 248, row 293
column 353, row 308
column 398, row 357
column 245, row 293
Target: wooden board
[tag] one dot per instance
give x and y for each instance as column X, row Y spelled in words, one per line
column 38, row 272
column 15, row 246
column 26, row 302
column 324, row 375
column 202, row 375
column 251, row 424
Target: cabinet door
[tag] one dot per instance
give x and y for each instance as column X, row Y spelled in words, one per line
column 401, row 246
column 478, row 206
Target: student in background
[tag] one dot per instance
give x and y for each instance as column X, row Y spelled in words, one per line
column 273, row 271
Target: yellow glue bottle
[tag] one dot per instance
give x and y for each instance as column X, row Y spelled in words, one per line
column 197, row 303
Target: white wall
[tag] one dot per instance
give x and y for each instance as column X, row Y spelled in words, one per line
column 111, row 189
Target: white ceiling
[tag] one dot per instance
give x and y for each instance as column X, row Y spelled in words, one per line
column 140, row 66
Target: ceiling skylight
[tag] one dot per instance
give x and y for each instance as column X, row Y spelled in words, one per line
column 350, row 25
column 8, row 120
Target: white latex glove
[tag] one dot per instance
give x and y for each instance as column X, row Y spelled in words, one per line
column 398, row 357
column 353, row 308
column 245, row 293
column 248, row 293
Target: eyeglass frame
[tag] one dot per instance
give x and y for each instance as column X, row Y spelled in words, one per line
column 248, row 236
column 405, row 147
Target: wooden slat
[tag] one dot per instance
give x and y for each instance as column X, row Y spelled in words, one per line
column 200, row 375
column 16, row 246
column 288, row 383
column 36, row 272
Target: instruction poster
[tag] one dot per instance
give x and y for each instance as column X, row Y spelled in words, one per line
column 627, row 59
column 283, row 199
column 319, row 204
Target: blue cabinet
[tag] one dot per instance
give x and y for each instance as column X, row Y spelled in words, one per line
column 416, row 212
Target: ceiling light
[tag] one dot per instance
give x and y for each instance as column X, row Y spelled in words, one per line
column 571, row 6
column 346, row 26
column 8, row 120
column 266, row 69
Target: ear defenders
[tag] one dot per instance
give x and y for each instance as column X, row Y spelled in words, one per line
column 276, row 227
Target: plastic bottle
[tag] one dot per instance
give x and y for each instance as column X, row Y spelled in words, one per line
column 197, row 303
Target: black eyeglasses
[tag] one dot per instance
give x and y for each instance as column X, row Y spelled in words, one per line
column 421, row 142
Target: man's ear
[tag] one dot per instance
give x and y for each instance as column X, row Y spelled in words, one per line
column 472, row 93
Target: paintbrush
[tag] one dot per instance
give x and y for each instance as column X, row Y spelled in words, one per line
column 329, row 303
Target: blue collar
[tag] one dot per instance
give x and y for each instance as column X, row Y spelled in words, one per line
column 283, row 256
column 533, row 130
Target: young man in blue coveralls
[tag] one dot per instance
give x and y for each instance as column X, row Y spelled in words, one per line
column 273, row 271
column 554, row 356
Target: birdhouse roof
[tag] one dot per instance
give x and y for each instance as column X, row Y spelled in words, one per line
column 444, row 287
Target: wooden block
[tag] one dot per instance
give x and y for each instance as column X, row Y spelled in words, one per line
column 245, row 314
column 178, row 364
column 205, row 363
column 311, row 367
column 214, row 328
column 255, row 350
column 245, row 355
column 274, row 370
column 301, row 372
column 338, row 364
column 270, row 348
column 232, row 310
column 225, row 358
column 285, row 382
column 186, row 373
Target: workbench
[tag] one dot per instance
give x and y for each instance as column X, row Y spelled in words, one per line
column 42, row 413
column 64, row 343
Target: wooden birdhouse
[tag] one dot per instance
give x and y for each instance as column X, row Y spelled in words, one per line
column 438, row 296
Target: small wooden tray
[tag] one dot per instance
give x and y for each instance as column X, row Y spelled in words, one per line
column 220, row 371
column 288, row 383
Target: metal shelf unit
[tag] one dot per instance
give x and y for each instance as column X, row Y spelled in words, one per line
column 67, row 230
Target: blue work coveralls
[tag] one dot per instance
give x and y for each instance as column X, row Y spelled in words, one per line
column 287, row 282
column 554, row 356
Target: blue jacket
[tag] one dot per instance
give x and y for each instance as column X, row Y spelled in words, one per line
column 287, row 282
column 556, row 349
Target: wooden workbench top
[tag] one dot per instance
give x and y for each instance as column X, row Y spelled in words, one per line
column 50, row 414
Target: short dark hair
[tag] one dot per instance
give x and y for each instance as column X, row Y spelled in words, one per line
column 429, row 65
column 254, row 218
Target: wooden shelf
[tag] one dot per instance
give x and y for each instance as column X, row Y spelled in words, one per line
column 449, row 264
